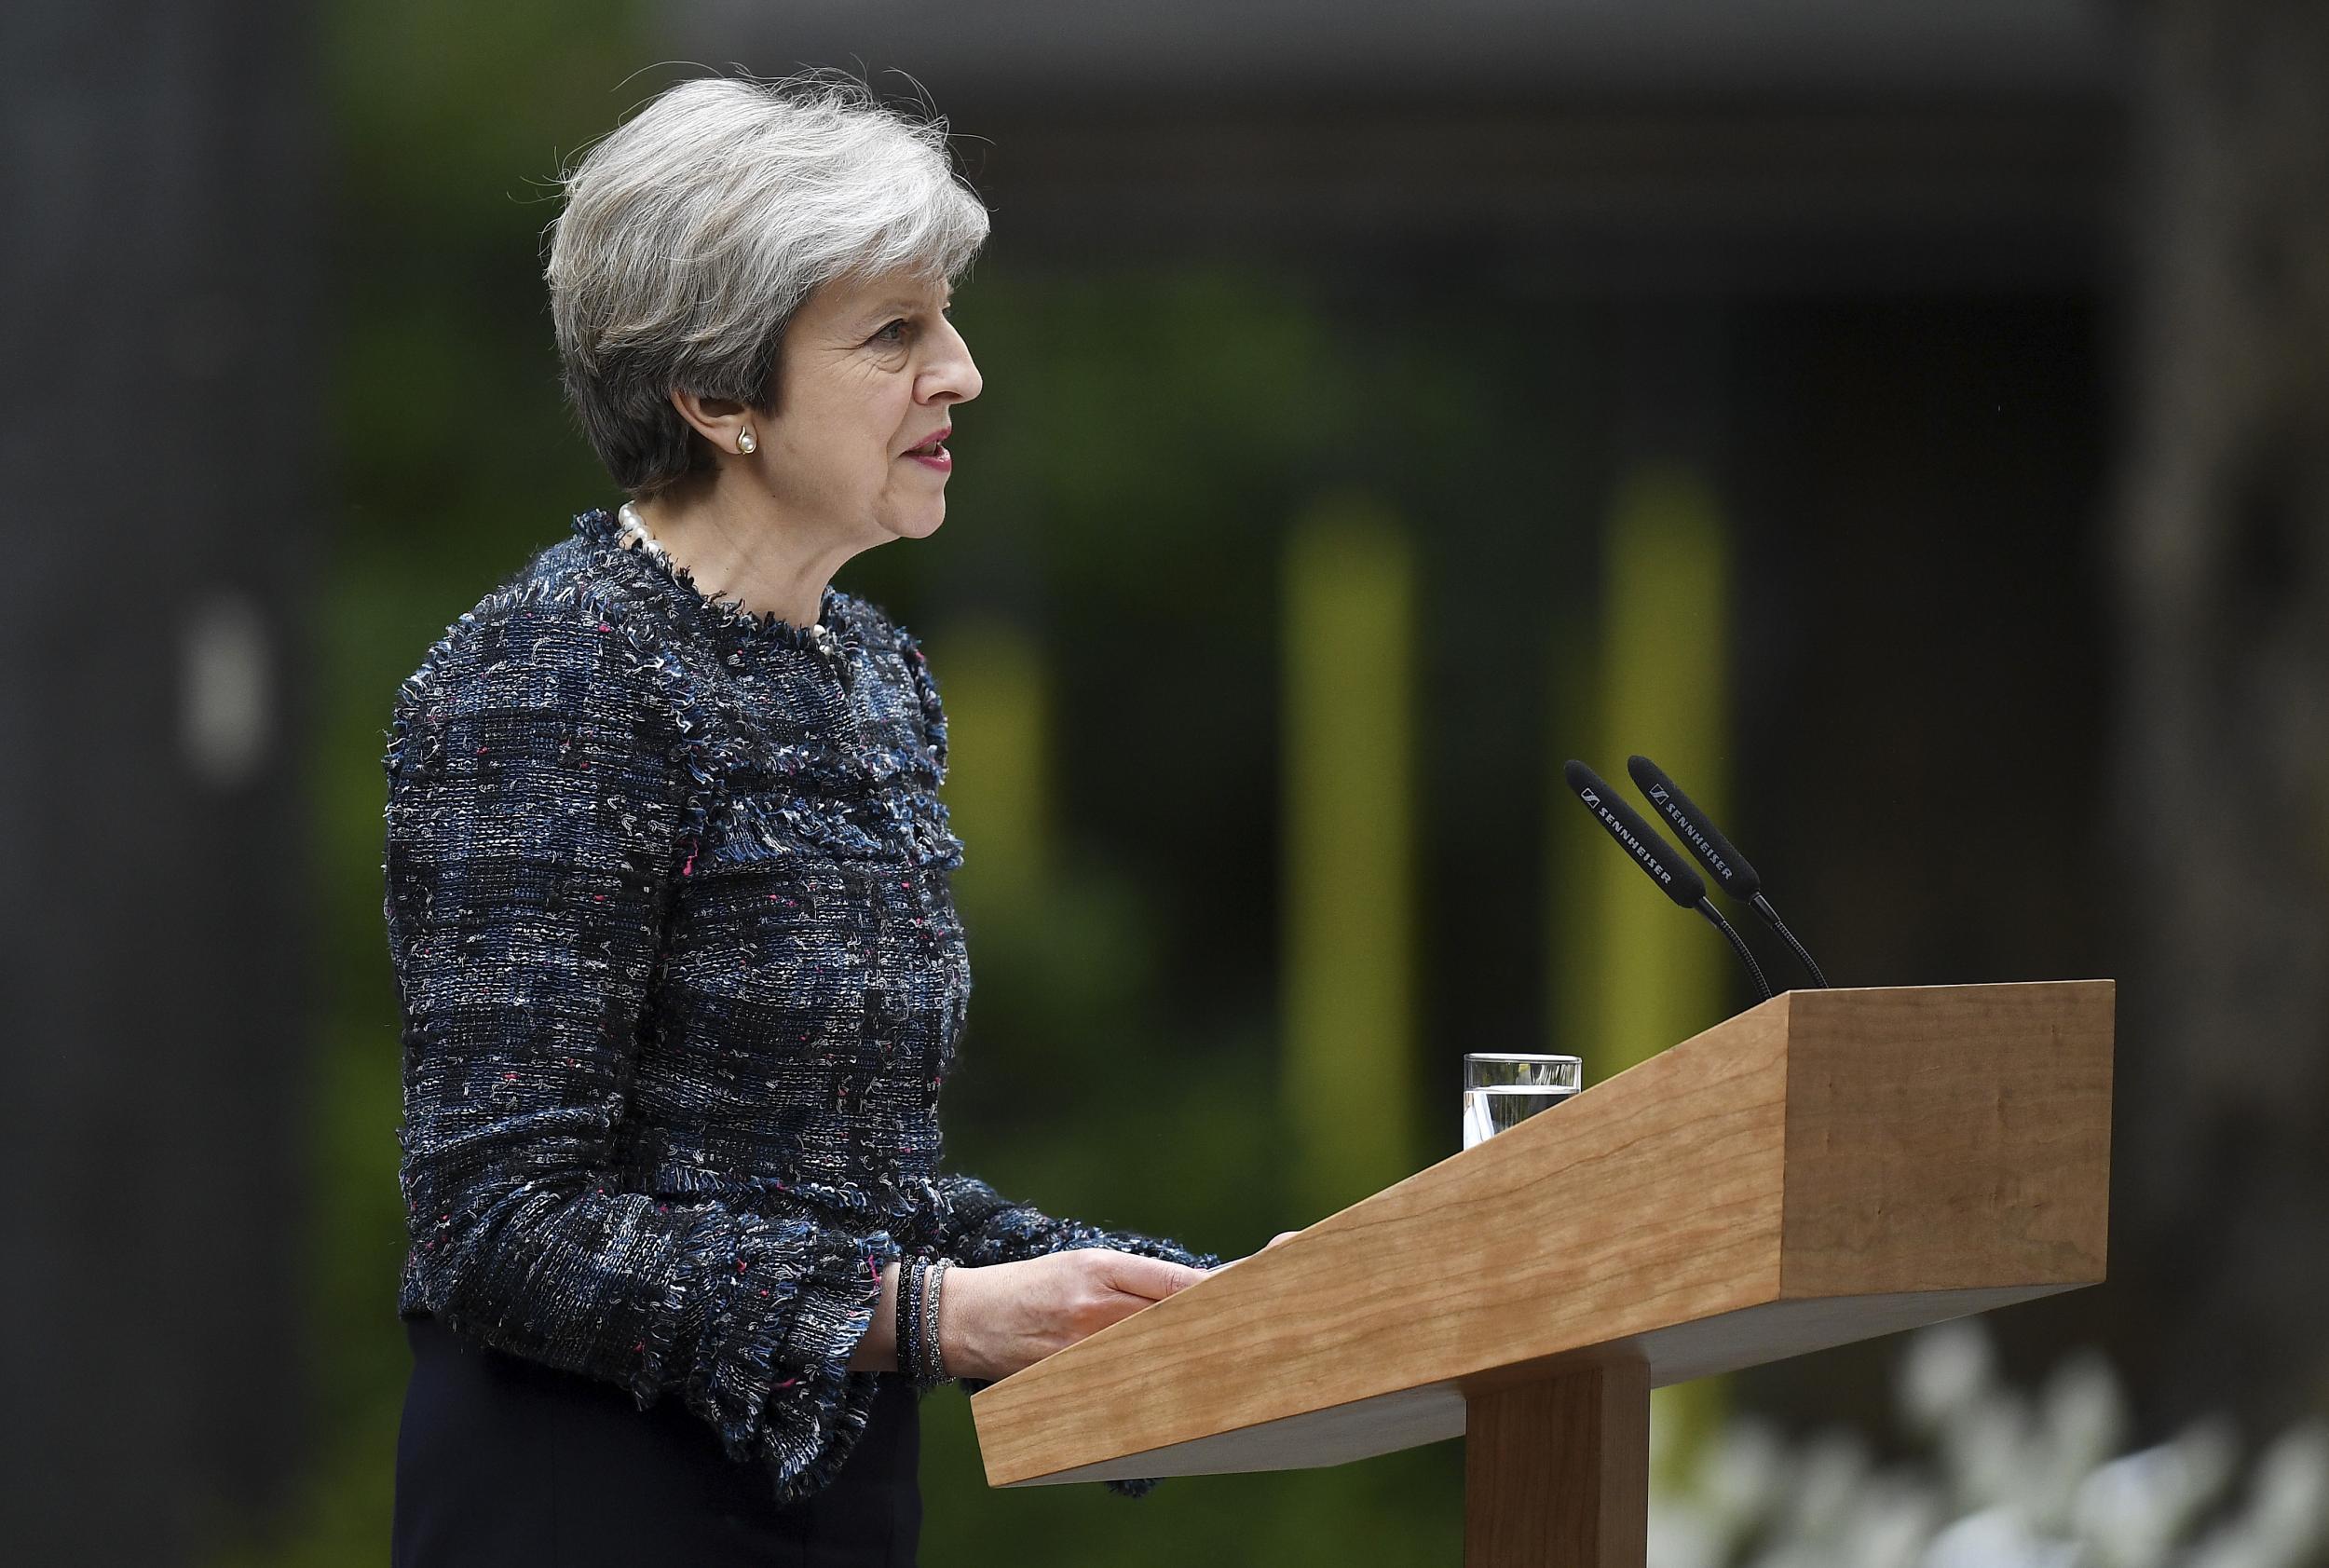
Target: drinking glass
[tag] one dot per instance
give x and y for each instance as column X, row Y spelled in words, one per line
column 1504, row 1088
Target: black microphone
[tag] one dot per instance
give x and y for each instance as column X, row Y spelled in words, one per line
column 1655, row 856
column 1714, row 852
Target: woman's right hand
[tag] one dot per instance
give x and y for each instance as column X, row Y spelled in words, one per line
column 994, row 1320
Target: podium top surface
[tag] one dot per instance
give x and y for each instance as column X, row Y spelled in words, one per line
column 1825, row 1167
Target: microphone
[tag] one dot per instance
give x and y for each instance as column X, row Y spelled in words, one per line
column 1657, row 857
column 1714, row 852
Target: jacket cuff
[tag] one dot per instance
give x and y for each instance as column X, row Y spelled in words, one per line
column 777, row 1308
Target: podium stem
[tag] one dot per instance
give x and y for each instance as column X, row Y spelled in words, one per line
column 1557, row 1472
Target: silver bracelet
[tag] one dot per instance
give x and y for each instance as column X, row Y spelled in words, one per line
column 934, row 1361
column 909, row 1313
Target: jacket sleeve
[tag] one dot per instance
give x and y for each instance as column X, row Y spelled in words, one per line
column 979, row 1226
column 535, row 801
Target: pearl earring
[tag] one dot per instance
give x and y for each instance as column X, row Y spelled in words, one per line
column 745, row 442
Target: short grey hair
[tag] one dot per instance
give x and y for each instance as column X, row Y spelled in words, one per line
column 692, row 233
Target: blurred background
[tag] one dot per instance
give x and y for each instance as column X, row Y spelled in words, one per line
column 1910, row 424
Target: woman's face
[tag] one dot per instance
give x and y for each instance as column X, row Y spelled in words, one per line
column 871, row 369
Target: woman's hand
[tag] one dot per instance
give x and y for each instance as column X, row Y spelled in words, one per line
column 994, row 1320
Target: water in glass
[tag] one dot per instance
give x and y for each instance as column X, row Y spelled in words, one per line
column 1504, row 1088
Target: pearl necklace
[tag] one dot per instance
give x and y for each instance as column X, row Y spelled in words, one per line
column 628, row 515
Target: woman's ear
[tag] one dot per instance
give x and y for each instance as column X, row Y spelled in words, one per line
column 724, row 422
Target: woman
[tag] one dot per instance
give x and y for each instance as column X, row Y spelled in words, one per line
column 668, row 900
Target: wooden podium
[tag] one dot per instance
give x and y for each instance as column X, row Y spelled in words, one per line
column 1827, row 1168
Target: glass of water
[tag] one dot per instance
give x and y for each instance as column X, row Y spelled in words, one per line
column 1504, row 1088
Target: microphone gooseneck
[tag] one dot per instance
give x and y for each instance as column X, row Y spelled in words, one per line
column 1739, row 945
column 1771, row 918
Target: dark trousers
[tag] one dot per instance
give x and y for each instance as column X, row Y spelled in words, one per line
column 506, row 1463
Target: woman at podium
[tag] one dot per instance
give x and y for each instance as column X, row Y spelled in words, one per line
column 678, row 969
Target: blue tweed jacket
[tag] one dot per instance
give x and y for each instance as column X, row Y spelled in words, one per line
column 680, row 977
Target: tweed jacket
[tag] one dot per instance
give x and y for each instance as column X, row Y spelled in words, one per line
column 680, row 977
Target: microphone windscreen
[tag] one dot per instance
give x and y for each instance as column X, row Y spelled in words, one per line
column 1637, row 838
column 1695, row 829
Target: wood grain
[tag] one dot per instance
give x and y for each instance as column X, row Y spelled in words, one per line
column 1738, row 1198
column 1948, row 1137
column 1434, row 1413
column 1557, row 1472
